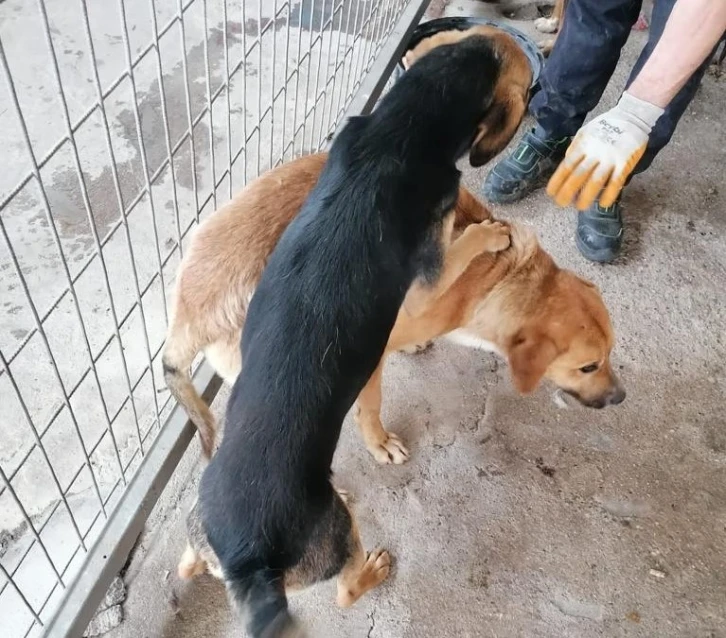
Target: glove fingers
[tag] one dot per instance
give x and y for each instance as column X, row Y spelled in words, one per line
column 575, row 181
column 593, row 187
column 611, row 192
column 617, row 182
column 564, row 170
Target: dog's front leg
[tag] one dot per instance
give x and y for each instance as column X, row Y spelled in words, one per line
column 385, row 446
column 487, row 236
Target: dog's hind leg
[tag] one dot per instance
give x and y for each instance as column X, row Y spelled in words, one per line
column 225, row 357
column 362, row 571
column 335, row 549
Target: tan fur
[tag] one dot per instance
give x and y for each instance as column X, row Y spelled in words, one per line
column 546, row 321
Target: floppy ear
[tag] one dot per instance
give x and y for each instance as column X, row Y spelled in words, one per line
column 499, row 125
column 530, row 354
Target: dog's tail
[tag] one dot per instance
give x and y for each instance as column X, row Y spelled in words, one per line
column 261, row 596
column 176, row 366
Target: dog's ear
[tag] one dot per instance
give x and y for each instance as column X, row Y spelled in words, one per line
column 530, row 353
column 498, row 126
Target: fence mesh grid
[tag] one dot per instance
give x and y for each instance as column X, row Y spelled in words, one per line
column 123, row 123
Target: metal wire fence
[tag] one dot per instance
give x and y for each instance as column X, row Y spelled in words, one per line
column 123, row 123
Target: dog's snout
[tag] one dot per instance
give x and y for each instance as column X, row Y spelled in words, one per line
column 617, row 396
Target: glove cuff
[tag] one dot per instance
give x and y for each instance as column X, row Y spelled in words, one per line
column 645, row 113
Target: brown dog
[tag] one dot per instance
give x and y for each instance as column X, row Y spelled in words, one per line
column 200, row 293
column 545, row 321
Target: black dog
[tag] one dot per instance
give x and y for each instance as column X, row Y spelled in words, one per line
column 317, row 326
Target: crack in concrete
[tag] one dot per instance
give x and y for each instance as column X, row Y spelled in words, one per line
column 372, row 618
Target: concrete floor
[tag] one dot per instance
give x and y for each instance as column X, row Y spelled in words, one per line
column 625, row 536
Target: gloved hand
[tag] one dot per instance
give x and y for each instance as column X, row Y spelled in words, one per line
column 604, row 153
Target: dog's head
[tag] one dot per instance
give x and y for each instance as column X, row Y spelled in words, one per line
column 502, row 118
column 568, row 340
column 548, row 322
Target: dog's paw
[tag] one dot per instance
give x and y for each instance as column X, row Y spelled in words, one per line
column 190, row 564
column 390, row 450
column 417, row 348
column 496, row 236
column 373, row 572
column 376, row 568
column 547, row 25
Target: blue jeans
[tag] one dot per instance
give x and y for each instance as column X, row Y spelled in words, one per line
column 583, row 60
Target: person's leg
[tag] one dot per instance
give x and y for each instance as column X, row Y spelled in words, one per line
column 578, row 70
column 581, row 64
column 599, row 234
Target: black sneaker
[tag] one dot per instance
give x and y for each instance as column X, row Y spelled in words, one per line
column 600, row 232
column 527, row 168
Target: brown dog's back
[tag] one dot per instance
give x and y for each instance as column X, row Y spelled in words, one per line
column 218, row 275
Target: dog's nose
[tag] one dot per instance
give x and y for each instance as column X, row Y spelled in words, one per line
column 617, row 396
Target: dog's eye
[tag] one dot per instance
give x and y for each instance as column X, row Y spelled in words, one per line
column 589, row 368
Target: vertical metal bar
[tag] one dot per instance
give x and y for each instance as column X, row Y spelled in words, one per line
column 244, row 91
column 208, row 75
column 297, row 81
column 372, row 44
column 285, row 78
column 225, row 44
column 152, row 208
column 326, row 129
column 188, row 99
column 307, row 78
column 317, row 76
column 272, row 83
column 362, row 46
column 343, row 92
column 259, row 87
column 13, row 494
column 66, row 271
column 391, row 14
column 334, row 8
column 22, row 596
column 165, row 120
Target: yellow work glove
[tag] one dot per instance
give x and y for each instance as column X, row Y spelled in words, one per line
column 603, row 154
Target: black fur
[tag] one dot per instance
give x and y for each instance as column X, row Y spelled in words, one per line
column 321, row 316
